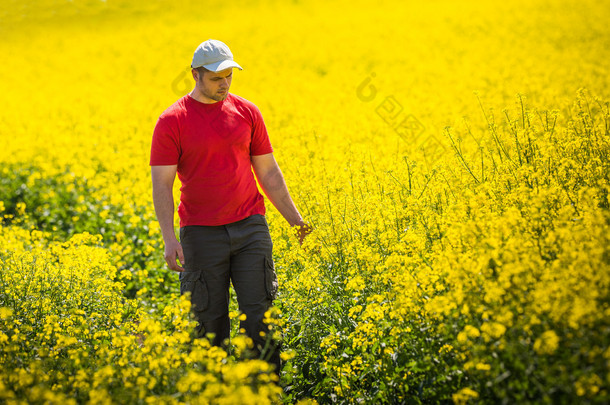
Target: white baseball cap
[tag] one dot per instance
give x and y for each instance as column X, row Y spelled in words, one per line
column 213, row 55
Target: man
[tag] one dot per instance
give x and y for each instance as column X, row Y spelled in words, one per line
column 212, row 140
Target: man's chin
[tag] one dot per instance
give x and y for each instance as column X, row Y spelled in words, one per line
column 218, row 97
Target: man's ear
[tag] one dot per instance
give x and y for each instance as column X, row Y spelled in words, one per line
column 195, row 74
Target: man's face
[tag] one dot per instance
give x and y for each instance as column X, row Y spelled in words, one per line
column 214, row 86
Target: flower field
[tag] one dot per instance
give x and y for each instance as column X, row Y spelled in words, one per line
column 453, row 158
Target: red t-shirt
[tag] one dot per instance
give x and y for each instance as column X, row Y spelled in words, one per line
column 212, row 145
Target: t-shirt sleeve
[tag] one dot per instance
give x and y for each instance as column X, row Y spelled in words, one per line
column 261, row 145
column 165, row 147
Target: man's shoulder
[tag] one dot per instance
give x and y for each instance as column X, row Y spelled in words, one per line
column 247, row 108
column 176, row 110
column 240, row 101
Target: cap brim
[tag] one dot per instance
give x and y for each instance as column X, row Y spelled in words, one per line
column 222, row 65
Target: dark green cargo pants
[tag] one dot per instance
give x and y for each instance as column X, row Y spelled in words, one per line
column 241, row 253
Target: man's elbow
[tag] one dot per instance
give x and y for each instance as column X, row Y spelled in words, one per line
column 273, row 180
column 161, row 189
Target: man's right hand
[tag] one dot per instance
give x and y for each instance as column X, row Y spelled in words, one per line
column 173, row 251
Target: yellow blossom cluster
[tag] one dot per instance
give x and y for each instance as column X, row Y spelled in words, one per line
column 67, row 334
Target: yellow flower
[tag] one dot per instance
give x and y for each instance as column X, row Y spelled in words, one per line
column 469, row 332
column 493, row 330
column 5, row 313
column 464, row 395
column 547, row 343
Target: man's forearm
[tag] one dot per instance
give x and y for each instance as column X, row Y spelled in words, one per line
column 164, row 208
column 275, row 188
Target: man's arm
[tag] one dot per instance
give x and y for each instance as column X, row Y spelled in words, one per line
column 163, row 182
column 273, row 184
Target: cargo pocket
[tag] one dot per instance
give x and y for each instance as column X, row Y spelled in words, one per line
column 193, row 282
column 271, row 284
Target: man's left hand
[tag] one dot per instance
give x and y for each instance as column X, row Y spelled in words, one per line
column 303, row 231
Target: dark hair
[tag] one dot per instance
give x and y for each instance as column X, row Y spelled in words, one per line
column 201, row 70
